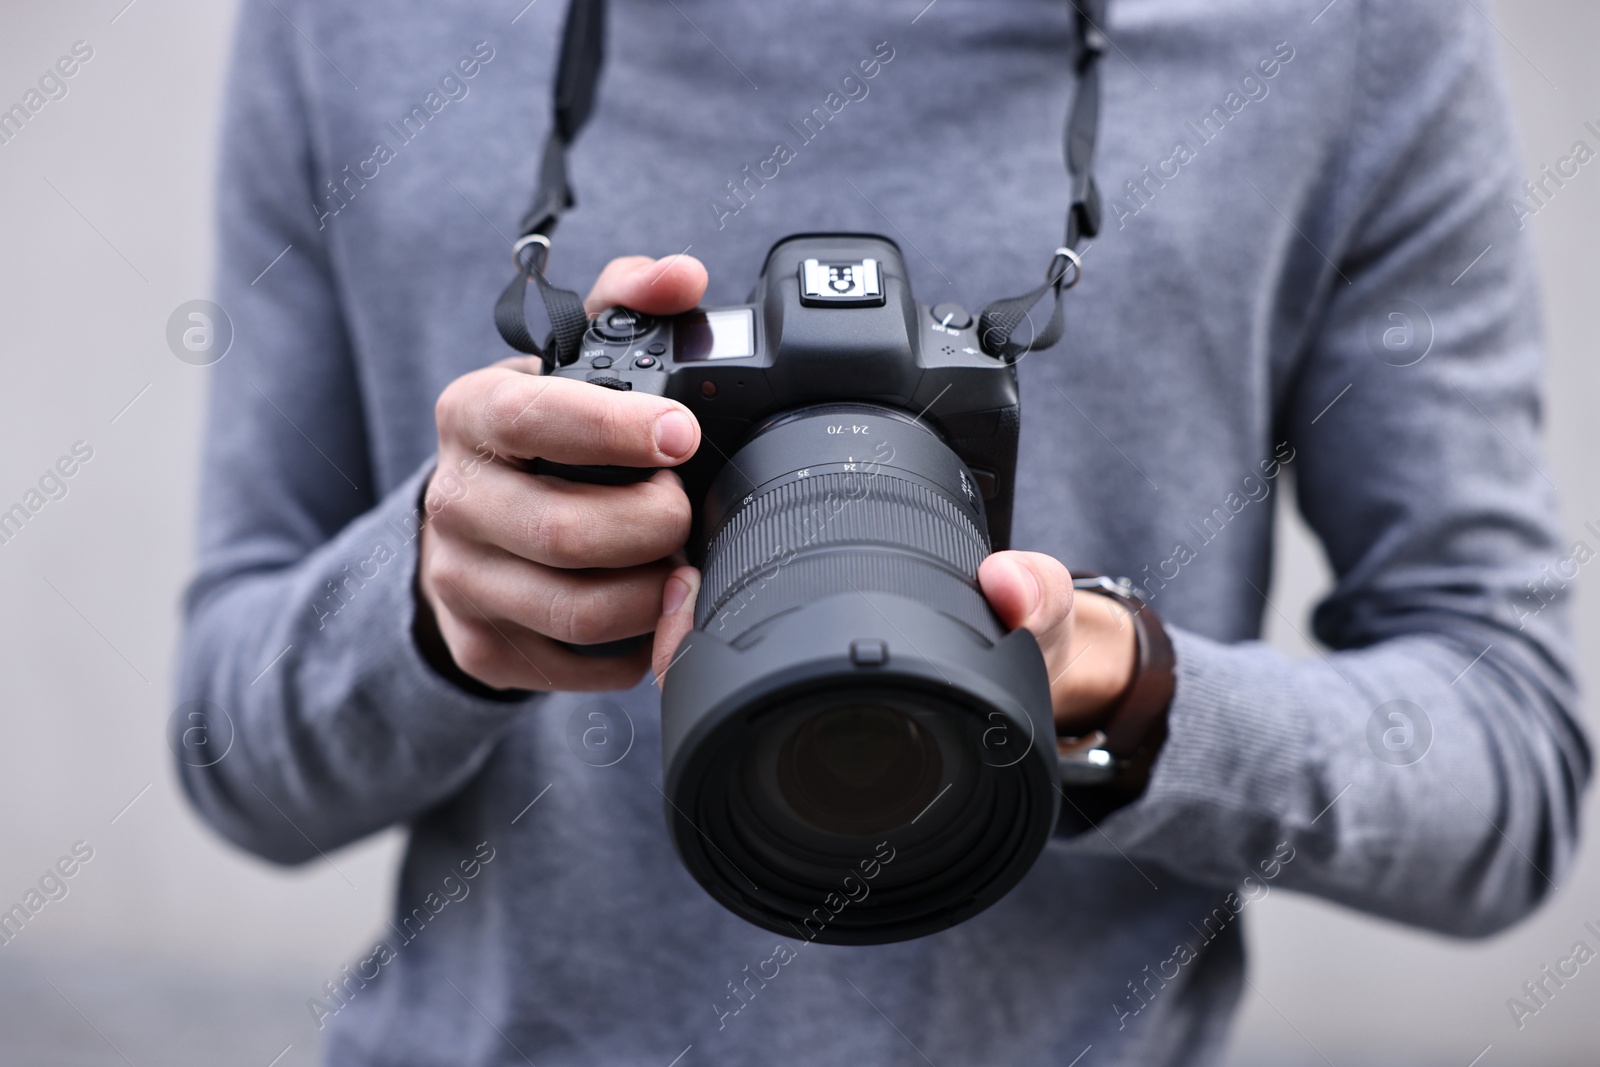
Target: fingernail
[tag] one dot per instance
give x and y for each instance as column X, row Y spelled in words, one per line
column 674, row 594
column 1035, row 591
column 674, row 434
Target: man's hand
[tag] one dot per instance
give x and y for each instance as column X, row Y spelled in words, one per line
column 518, row 562
column 1088, row 641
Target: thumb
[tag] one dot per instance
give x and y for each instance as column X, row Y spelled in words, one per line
column 677, row 619
column 1029, row 590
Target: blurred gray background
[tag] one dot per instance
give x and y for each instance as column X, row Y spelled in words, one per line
column 171, row 948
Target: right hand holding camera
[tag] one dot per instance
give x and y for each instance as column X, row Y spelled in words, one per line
column 521, row 562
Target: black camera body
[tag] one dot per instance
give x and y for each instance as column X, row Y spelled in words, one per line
column 832, row 319
column 854, row 749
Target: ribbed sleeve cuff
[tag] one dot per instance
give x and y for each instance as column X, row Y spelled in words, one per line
column 1232, row 728
column 1234, row 747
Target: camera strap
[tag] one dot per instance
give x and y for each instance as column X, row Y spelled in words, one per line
column 577, row 80
column 1000, row 319
column 576, row 85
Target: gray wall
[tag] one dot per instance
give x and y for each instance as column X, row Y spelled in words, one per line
column 172, row 948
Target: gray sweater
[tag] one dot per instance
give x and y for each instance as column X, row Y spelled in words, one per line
column 1309, row 255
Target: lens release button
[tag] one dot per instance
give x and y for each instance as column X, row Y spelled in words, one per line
column 869, row 652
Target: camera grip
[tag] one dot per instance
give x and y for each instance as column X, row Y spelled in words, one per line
column 597, row 474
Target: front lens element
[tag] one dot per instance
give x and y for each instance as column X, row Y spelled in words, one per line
column 859, row 768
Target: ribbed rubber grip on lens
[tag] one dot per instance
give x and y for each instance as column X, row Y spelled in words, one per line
column 843, row 532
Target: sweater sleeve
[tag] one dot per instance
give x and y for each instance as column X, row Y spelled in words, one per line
column 1427, row 767
column 308, row 718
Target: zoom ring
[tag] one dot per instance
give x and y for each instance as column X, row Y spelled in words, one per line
column 842, row 532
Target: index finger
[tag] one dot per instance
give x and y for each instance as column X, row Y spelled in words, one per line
column 668, row 286
column 566, row 421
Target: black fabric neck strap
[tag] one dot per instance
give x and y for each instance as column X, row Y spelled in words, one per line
column 998, row 324
column 577, row 81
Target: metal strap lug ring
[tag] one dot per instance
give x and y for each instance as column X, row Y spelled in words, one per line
column 524, row 242
column 1074, row 261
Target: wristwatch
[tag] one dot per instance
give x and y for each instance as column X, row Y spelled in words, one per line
column 1122, row 747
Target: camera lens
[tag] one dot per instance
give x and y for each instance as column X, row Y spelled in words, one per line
column 859, row 768
column 855, row 749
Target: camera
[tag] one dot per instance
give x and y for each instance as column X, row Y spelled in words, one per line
column 855, row 750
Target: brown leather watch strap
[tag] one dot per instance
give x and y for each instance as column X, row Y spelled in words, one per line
column 1135, row 726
